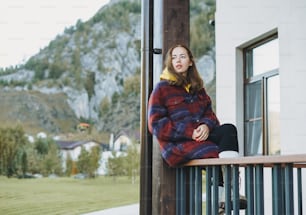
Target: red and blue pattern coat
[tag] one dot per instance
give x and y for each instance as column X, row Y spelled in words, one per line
column 173, row 114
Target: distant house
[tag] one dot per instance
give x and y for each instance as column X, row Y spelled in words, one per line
column 121, row 142
column 73, row 148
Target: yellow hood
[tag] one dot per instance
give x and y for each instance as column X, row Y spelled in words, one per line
column 166, row 75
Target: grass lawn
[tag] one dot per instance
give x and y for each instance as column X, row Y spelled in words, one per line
column 65, row 195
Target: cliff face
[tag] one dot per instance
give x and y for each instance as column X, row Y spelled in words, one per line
column 70, row 77
column 90, row 72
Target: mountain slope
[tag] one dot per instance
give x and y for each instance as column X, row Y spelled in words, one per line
column 88, row 63
column 91, row 73
column 37, row 111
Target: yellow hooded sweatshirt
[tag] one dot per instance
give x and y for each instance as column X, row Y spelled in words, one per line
column 166, row 75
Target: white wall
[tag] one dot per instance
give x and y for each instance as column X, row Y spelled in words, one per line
column 239, row 23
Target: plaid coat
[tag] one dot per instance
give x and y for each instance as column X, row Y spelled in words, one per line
column 173, row 114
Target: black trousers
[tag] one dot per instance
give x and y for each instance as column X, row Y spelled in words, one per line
column 225, row 136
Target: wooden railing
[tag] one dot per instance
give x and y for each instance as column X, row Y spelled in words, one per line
column 279, row 171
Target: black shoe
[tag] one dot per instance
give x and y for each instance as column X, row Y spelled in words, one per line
column 242, row 205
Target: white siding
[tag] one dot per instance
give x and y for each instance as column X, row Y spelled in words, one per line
column 241, row 22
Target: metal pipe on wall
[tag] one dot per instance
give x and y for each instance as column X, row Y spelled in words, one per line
column 146, row 88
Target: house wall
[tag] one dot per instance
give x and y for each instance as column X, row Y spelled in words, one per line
column 120, row 141
column 75, row 152
column 239, row 23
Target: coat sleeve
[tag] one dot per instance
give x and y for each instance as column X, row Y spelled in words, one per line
column 161, row 125
column 209, row 117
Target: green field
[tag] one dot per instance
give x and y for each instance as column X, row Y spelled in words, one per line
column 65, row 195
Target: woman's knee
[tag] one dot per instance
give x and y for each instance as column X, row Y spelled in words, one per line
column 230, row 129
column 230, row 141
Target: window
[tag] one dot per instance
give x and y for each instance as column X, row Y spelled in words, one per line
column 262, row 98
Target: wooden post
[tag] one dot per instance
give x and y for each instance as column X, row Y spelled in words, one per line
column 176, row 23
column 175, row 30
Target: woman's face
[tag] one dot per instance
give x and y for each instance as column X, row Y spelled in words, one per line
column 180, row 60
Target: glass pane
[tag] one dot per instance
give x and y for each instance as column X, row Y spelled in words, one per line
column 265, row 57
column 253, row 132
column 253, row 101
column 273, row 115
column 253, row 119
column 249, row 64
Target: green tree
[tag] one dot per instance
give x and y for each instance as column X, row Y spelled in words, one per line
column 69, row 165
column 44, row 156
column 77, row 66
column 24, row 163
column 52, row 161
column 90, row 84
column 80, row 25
column 56, row 69
column 202, row 34
column 127, row 164
column 104, row 106
column 115, row 166
column 83, row 160
column 94, row 160
column 12, row 143
column 132, row 85
column 100, row 65
column 88, row 161
column 115, row 98
column 33, row 158
column 41, row 146
column 132, row 162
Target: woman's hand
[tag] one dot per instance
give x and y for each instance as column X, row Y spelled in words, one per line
column 201, row 133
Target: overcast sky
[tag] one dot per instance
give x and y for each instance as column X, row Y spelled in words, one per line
column 28, row 25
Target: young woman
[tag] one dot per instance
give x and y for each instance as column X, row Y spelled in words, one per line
column 180, row 114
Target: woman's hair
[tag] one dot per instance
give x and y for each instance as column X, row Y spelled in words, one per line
column 193, row 77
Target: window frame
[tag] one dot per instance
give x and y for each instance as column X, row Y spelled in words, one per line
column 248, row 79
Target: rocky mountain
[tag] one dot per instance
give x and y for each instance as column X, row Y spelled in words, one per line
column 91, row 73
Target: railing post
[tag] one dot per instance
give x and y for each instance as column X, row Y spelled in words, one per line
column 259, row 194
column 277, row 190
column 227, row 187
column 249, row 187
column 235, row 181
column 180, row 191
column 208, row 189
column 289, row 200
column 215, row 183
column 300, row 191
column 195, row 190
